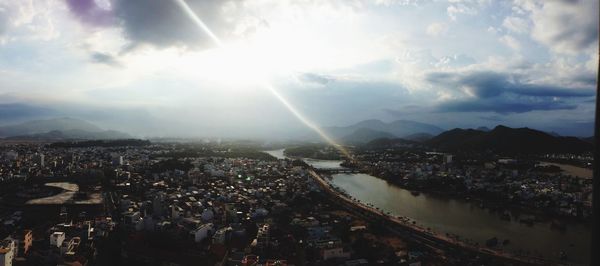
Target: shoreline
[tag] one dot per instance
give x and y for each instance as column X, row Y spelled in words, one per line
column 422, row 233
column 489, row 203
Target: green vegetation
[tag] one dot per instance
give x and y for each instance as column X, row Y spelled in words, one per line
column 315, row 151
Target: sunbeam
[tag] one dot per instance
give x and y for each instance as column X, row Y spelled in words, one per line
column 267, row 84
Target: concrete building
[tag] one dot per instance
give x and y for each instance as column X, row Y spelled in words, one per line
column 39, row 158
column 57, row 238
column 7, row 252
column 202, row 232
column 447, row 158
column 335, row 253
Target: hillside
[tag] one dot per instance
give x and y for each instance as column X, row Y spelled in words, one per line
column 363, row 135
column 503, row 139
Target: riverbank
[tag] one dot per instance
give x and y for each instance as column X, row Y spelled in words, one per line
column 465, row 219
column 402, row 223
column 490, row 201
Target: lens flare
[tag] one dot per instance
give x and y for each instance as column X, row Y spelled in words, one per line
column 186, row 8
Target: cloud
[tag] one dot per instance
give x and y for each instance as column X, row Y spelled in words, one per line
column 163, row 23
column 315, row 78
column 502, row 105
column 566, row 26
column 488, row 84
column 511, row 42
column 480, row 85
column 107, row 59
column 466, row 7
column 30, row 20
column 3, row 20
column 437, row 29
column 457, row 60
column 89, row 12
column 516, row 24
column 489, row 91
column 454, row 10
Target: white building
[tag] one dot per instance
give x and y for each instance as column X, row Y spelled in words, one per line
column 7, row 252
column 57, row 238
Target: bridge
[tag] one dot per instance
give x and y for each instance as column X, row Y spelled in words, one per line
column 336, row 170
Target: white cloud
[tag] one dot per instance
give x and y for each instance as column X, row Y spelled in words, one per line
column 28, row 19
column 437, row 29
column 511, row 42
column 493, row 30
column 458, row 9
column 465, row 7
column 564, row 26
column 516, row 24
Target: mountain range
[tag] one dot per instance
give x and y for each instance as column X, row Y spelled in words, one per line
column 504, row 139
column 58, row 129
column 367, row 130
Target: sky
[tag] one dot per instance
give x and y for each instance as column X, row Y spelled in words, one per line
column 145, row 67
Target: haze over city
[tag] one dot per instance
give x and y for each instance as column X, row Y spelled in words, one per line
column 145, row 67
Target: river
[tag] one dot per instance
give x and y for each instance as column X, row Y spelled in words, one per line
column 461, row 217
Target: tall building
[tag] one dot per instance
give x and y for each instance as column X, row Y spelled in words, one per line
column 117, row 159
column 39, row 159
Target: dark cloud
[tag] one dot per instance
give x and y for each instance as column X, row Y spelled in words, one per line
column 163, row 23
column 90, row 13
column 493, row 84
column 315, row 78
column 107, row 59
column 480, row 84
column 586, row 79
column 503, row 93
column 502, row 105
column 550, row 91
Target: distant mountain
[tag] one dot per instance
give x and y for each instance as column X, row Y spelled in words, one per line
column 74, row 134
column 419, row 137
column 58, row 129
column 43, row 126
column 503, row 139
column 485, row 129
column 363, row 135
column 398, row 128
column 390, row 142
